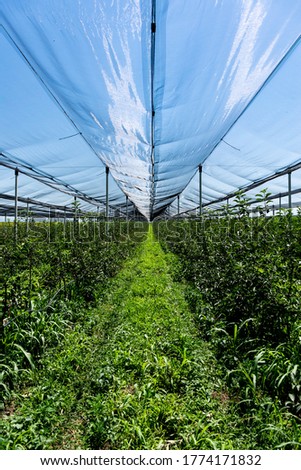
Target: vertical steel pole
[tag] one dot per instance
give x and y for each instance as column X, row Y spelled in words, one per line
column 127, row 208
column 49, row 224
column 75, row 218
column 200, row 189
column 75, row 207
column 107, row 192
column 64, row 222
column 27, row 217
column 178, row 204
column 107, row 200
column 289, row 190
column 16, row 203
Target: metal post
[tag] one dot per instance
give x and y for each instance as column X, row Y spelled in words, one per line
column 289, row 190
column 27, row 217
column 107, row 201
column 200, row 189
column 127, row 207
column 75, row 218
column 49, row 224
column 107, row 192
column 75, row 208
column 280, row 203
column 227, row 212
column 16, row 203
column 178, row 204
column 64, row 221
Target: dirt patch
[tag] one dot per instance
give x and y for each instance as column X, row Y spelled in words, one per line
column 223, row 397
column 129, row 390
column 9, row 410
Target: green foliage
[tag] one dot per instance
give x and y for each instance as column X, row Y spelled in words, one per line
column 46, row 278
column 94, row 362
column 132, row 373
column 244, row 282
column 158, row 386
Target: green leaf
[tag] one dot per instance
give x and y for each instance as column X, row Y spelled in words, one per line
column 26, row 354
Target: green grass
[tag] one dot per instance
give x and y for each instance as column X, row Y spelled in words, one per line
column 134, row 374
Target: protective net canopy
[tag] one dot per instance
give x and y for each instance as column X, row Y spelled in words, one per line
column 151, row 90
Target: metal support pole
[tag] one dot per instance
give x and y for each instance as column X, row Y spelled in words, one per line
column 280, row 203
column 75, row 218
column 178, row 204
column 75, row 207
column 107, row 192
column 127, row 207
column 289, row 190
column 107, row 200
column 64, row 222
column 27, row 217
column 200, row 189
column 16, row 203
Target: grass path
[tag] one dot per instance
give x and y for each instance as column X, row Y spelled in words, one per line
column 135, row 375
